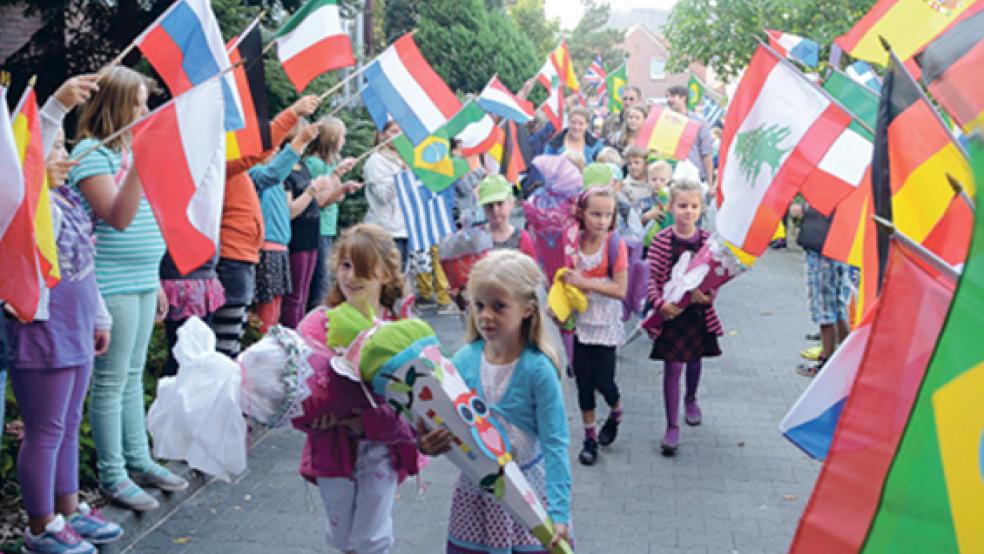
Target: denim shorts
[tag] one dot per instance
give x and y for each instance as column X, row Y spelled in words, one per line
column 238, row 279
column 829, row 285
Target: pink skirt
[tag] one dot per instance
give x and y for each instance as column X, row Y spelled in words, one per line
column 188, row 297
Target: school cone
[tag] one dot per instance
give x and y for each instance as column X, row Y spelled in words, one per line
column 402, row 362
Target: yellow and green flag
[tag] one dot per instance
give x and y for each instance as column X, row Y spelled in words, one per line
column 696, row 89
column 615, row 82
column 431, row 160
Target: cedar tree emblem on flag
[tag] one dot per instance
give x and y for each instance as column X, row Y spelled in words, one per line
column 758, row 147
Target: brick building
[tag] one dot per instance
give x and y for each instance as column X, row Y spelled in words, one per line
column 647, row 57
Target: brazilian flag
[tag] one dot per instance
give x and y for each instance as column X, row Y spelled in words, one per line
column 615, row 82
column 431, row 160
column 696, row 89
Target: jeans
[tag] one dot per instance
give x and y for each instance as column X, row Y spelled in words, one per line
column 116, row 403
column 321, row 281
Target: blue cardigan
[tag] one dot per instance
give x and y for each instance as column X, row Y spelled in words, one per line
column 534, row 403
column 273, row 199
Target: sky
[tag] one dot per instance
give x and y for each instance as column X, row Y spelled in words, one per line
column 570, row 11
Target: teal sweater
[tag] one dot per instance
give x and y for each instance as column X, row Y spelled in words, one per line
column 273, row 199
column 534, row 403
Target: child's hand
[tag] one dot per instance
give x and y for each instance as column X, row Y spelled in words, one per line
column 58, row 171
column 324, row 422
column 161, row 306
column 305, row 105
column 574, row 278
column 77, row 90
column 354, row 424
column 432, row 443
column 669, row 310
column 344, row 166
column 560, row 532
column 100, row 341
column 699, row 297
column 352, row 186
column 304, row 136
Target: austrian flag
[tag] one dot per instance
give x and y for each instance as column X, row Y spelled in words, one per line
column 779, row 128
column 313, row 42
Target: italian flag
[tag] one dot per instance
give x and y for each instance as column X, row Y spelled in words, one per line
column 313, row 42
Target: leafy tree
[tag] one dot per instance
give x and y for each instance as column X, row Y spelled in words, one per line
column 467, row 45
column 399, row 16
column 722, row 33
column 590, row 37
column 531, row 19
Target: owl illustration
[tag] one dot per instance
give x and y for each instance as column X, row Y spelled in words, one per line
column 489, row 436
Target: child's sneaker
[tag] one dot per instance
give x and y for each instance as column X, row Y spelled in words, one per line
column 127, row 494
column 159, row 477
column 671, row 441
column 608, row 431
column 58, row 538
column 589, row 454
column 92, row 526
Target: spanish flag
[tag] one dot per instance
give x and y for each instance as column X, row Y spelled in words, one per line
column 254, row 138
column 953, row 69
column 668, row 133
column 908, row 25
column 559, row 65
column 27, row 134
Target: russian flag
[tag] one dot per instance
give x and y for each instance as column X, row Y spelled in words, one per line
column 811, row 421
column 402, row 82
column 795, row 47
column 179, row 153
column 185, row 47
column 498, row 100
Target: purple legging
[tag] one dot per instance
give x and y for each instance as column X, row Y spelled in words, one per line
column 671, row 387
column 301, row 272
column 50, row 401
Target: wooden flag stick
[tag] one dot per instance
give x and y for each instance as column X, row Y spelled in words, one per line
column 119, row 58
column 924, row 254
column 133, row 123
column 246, row 31
column 341, row 83
column 376, row 148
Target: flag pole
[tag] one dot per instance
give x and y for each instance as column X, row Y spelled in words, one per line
column 924, row 254
column 961, row 191
column 133, row 123
column 249, row 28
column 20, row 102
column 939, row 119
column 376, row 148
column 827, row 95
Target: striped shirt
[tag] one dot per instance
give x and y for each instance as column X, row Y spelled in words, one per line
column 127, row 261
column 661, row 260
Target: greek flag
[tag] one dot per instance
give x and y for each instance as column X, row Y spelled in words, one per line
column 427, row 214
column 712, row 111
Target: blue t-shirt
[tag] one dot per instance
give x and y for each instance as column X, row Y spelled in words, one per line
column 127, row 261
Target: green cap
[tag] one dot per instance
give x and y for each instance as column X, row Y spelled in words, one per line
column 597, row 174
column 494, row 188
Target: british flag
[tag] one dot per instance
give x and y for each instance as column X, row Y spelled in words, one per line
column 596, row 74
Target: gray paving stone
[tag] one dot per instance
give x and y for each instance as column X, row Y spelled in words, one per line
column 735, row 486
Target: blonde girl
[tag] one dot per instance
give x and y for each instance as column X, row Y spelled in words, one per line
column 358, row 462
column 129, row 247
column 686, row 335
column 513, row 364
column 600, row 271
column 626, row 135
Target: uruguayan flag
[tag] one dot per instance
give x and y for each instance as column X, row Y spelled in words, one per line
column 712, row 111
column 427, row 214
column 864, row 74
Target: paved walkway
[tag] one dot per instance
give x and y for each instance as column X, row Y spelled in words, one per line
column 736, row 485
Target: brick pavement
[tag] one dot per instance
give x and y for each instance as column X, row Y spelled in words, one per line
column 734, row 486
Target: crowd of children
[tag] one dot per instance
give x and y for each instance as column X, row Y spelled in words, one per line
column 278, row 253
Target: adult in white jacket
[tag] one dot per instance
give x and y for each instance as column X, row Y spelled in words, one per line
column 384, row 205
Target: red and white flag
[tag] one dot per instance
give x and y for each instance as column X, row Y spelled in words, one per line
column 779, row 128
column 553, row 107
column 179, row 153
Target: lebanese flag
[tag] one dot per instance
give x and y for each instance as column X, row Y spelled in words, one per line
column 179, row 153
column 553, row 107
column 779, row 128
column 313, row 42
column 21, row 283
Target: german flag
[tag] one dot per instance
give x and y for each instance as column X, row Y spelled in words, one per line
column 953, row 69
column 908, row 25
column 514, row 161
column 254, row 138
column 914, row 157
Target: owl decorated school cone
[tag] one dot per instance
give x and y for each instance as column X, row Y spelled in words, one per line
column 402, row 362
